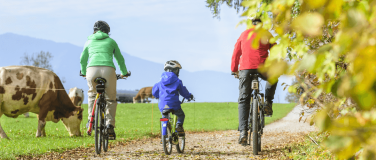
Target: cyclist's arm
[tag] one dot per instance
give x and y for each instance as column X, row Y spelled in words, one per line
column 236, row 56
column 84, row 58
column 183, row 90
column 120, row 60
column 155, row 91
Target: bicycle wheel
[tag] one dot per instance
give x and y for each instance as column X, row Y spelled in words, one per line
column 250, row 125
column 105, row 134
column 262, row 121
column 255, row 127
column 167, row 146
column 97, row 128
column 181, row 145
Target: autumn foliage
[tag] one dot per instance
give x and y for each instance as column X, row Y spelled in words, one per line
column 330, row 45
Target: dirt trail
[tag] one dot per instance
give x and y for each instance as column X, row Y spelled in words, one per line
column 218, row 145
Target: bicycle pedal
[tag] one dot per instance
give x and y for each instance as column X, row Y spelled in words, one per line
column 111, row 138
column 268, row 115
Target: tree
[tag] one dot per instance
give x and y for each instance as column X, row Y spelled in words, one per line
column 215, row 5
column 42, row 60
column 331, row 47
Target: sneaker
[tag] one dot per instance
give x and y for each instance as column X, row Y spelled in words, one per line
column 243, row 138
column 180, row 130
column 268, row 108
column 111, row 132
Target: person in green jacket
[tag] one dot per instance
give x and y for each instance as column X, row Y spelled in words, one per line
column 100, row 50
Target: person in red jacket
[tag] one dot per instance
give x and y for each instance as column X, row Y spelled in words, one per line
column 250, row 59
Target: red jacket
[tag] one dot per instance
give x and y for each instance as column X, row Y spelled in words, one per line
column 249, row 58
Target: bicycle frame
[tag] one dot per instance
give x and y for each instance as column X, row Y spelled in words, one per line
column 168, row 122
column 93, row 114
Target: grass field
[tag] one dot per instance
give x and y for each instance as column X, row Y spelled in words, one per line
column 132, row 121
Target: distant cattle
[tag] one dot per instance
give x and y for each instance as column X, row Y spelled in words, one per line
column 76, row 95
column 37, row 90
column 143, row 95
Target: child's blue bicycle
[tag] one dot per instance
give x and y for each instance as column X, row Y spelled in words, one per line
column 169, row 135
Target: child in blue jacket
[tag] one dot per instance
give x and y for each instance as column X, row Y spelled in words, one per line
column 168, row 90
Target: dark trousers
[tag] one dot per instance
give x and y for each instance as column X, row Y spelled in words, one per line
column 245, row 91
column 180, row 116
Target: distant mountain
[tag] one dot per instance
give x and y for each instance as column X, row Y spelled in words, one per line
column 207, row 86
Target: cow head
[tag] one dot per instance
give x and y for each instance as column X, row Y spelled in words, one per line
column 76, row 95
column 72, row 123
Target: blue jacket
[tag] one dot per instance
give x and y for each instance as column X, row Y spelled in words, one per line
column 168, row 90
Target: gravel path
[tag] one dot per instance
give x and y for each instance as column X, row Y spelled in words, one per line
column 209, row 145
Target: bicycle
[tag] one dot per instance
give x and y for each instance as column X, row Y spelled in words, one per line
column 169, row 135
column 101, row 135
column 256, row 114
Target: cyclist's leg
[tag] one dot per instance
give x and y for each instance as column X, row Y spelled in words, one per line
column 244, row 103
column 110, row 75
column 269, row 95
column 179, row 124
column 244, row 98
column 91, row 74
column 180, row 115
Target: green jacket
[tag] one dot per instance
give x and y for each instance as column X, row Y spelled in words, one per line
column 100, row 49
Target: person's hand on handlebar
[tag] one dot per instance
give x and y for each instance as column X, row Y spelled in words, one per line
column 122, row 76
column 191, row 98
column 82, row 75
column 236, row 74
column 126, row 76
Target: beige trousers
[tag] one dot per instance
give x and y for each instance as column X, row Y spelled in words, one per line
column 109, row 74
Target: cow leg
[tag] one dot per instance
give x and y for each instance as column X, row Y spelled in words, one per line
column 41, row 131
column 2, row 133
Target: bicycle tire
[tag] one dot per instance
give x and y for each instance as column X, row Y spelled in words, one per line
column 181, row 145
column 262, row 120
column 167, row 147
column 255, row 126
column 250, row 125
column 105, row 134
column 98, row 139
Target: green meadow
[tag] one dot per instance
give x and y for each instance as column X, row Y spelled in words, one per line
column 133, row 121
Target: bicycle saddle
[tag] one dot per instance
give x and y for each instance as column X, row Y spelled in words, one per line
column 167, row 111
column 99, row 79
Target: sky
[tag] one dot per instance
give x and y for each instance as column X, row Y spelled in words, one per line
column 154, row 30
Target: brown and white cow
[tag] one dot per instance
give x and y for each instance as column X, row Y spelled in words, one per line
column 76, row 95
column 143, row 95
column 38, row 90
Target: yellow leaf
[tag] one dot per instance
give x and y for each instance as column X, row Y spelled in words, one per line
column 308, row 62
column 313, row 4
column 334, row 6
column 309, row 23
column 276, row 70
column 322, row 120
